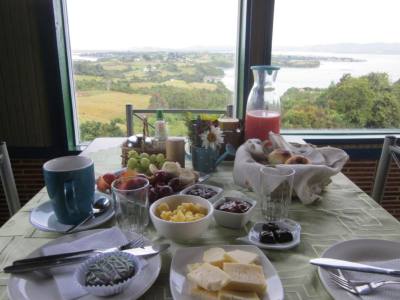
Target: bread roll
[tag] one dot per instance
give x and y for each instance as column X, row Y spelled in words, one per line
column 279, row 156
column 298, row 160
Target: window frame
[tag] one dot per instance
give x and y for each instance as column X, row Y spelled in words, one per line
column 254, row 47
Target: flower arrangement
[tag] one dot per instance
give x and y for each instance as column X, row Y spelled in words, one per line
column 204, row 132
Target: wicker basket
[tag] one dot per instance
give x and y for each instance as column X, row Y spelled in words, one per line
column 150, row 150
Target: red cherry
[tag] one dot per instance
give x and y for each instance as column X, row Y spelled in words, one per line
column 175, row 184
column 153, row 196
column 165, row 190
column 109, row 178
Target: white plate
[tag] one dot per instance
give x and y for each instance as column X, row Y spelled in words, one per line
column 359, row 250
column 183, row 256
column 292, row 226
column 30, row 286
column 43, row 218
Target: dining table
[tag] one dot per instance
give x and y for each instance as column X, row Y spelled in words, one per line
column 344, row 212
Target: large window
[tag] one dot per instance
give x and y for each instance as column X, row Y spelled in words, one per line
column 340, row 63
column 152, row 54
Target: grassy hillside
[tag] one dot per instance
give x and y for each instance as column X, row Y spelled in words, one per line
column 102, row 106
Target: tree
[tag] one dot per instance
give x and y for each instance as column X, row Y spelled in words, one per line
column 93, row 129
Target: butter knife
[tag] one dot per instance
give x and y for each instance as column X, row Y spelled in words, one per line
column 52, row 263
column 352, row 266
column 47, row 258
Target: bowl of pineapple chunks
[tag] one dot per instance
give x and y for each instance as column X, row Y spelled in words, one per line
column 181, row 217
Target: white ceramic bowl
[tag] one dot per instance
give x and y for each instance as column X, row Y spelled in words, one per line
column 233, row 220
column 214, row 198
column 181, row 231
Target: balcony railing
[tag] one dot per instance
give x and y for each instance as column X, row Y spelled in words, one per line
column 131, row 112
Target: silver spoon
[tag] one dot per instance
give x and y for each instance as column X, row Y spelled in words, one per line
column 99, row 207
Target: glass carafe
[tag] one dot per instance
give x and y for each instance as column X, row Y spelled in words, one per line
column 263, row 112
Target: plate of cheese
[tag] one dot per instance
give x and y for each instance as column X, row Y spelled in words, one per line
column 224, row 273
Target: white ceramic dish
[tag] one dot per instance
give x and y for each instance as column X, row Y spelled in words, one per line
column 292, row 226
column 359, row 250
column 30, row 286
column 182, row 231
column 42, row 217
column 180, row 286
column 233, row 220
column 214, row 198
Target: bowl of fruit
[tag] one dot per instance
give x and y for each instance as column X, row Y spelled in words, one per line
column 181, row 217
column 166, row 178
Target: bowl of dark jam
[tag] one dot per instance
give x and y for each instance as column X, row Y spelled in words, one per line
column 206, row 191
column 233, row 211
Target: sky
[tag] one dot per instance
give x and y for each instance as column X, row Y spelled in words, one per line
column 125, row 24
column 179, row 24
column 318, row 22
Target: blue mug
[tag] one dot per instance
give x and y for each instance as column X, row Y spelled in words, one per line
column 70, row 184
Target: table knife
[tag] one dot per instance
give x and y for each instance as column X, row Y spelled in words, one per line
column 46, row 258
column 44, row 265
column 352, row 266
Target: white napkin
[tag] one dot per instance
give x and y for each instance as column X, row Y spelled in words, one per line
column 387, row 292
column 64, row 276
column 309, row 180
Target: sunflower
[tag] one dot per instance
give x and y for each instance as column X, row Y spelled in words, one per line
column 212, row 138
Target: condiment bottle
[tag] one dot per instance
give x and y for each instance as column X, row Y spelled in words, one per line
column 160, row 127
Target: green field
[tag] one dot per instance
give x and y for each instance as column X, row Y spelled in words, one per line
column 102, row 106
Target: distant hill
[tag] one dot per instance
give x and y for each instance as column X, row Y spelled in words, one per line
column 371, row 48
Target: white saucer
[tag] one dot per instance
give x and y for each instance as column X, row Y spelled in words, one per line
column 31, row 286
column 292, row 226
column 43, row 218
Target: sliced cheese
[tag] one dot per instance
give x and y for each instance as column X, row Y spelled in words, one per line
column 240, row 256
column 194, row 266
column 234, row 295
column 209, row 277
column 244, row 277
column 203, row 294
column 214, row 256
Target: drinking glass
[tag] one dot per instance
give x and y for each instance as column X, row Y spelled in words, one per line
column 132, row 203
column 275, row 192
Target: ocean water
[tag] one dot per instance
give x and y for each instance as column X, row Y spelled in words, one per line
column 328, row 71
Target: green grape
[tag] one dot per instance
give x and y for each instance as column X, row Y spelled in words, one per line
column 145, row 163
column 144, row 155
column 160, row 163
column 133, row 154
column 153, row 158
column 133, row 163
column 160, row 157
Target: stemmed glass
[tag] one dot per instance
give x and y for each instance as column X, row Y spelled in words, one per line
column 132, row 203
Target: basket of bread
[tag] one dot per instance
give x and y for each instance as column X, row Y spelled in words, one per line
column 313, row 166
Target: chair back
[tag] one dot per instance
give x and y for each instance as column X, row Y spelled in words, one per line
column 8, row 182
column 390, row 151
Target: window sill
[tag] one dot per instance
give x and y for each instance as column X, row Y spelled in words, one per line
column 347, row 136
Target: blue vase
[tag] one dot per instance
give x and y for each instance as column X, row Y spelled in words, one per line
column 204, row 160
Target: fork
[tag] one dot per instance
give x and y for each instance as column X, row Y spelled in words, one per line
column 136, row 243
column 358, row 289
